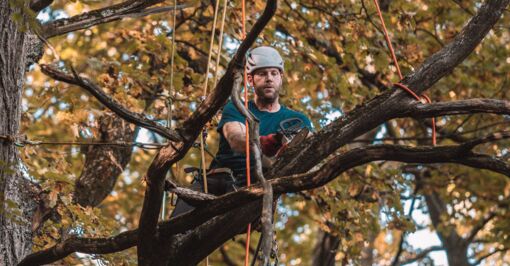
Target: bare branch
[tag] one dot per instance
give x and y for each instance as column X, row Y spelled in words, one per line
column 471, row 106
column 421, row 255
column 490, row 138
column 267, row 201
column 453, row 243
column 109, row 102
column 479, row 226
column 121, row 241
column 131, row 8
column 495, row 251
column 192, row 197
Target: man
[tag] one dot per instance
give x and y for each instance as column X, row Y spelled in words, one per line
column 228, row 169
column 265, row 75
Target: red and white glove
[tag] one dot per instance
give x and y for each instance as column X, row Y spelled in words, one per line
column 270, row 144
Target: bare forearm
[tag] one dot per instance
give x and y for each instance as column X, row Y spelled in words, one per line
column 235, row 133
column 238, row 143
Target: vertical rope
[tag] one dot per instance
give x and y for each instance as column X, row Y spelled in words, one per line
column 202, row 141
column 388, row 41
column 248, row 170
column 220, row 45
column 169, row 98
column 211, row 44
column 172, row 56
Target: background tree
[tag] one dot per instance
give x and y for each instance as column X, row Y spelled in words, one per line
column 107, row 75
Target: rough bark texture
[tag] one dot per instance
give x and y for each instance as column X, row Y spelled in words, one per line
column 103, row 164
column 17, row 205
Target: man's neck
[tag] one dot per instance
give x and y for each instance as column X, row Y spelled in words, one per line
column 268, row 107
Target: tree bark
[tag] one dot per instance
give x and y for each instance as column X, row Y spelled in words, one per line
column 17, row 203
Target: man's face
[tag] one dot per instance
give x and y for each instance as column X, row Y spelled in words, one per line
column 267, row 83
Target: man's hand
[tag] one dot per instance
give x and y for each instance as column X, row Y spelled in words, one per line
column 270, row 144
column 235, row 133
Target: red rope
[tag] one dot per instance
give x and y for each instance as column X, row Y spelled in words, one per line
column 395, row 62
column 248, row 170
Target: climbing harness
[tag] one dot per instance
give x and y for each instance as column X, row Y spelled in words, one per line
column 395, row 62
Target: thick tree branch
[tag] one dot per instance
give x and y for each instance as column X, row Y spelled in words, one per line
column 393, row 102
column 110, row 103
column 152, row 199
column 294, row 183
column 471, row 106
column 267, row 201
column 445, row 60
column 192, row 197
column 131, row 8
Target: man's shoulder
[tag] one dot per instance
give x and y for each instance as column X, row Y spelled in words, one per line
column 229, row 106
column 287, row 111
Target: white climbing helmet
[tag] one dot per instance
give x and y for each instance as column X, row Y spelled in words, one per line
column 263, row 56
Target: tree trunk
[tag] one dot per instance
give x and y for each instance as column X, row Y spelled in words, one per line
column 103, row 164
column 17, row 203
column 455, row 246
column 325, row 250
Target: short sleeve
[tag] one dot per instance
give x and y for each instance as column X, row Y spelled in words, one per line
column 306, row 121
column 229, row 114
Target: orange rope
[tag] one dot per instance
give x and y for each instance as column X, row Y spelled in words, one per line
column 248, row 170
column 395, row 62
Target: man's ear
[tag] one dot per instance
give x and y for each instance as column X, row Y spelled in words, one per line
column 250, row 79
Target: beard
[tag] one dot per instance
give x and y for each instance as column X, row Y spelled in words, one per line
column 267, row 97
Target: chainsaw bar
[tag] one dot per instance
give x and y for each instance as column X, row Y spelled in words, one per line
column 299, row 137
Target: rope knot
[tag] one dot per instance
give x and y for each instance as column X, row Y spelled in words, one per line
column 424, row 99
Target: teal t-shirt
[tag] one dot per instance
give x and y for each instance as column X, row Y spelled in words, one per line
column 269, row 124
